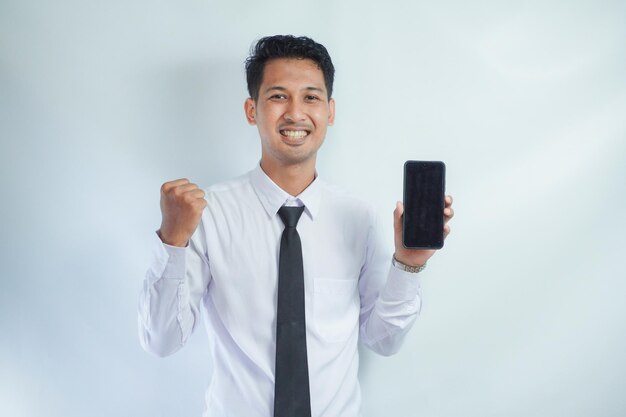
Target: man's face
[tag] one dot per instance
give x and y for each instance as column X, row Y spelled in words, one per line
column 291, row 113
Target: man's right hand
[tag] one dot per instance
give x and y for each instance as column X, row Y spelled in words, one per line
column 182, row 204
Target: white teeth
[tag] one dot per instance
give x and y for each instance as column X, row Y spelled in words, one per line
column 297, row 134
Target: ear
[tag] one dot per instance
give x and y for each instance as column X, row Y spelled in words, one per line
column 331, row 112
column 250, row 108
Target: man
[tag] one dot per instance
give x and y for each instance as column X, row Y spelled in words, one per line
column 285, row 299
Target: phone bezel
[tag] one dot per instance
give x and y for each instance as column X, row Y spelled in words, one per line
column 404, row 199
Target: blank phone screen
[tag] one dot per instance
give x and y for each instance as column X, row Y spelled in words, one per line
column 424, row 193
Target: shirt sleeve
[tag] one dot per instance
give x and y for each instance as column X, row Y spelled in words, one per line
column 169, row 302
column 388, row 307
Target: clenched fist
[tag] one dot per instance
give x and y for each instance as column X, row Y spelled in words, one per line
column 182, row 204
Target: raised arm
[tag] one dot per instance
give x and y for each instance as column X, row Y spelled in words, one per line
column 179, row 274
column 389, row 307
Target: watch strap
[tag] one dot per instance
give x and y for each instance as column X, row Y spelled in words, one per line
column 407, row 268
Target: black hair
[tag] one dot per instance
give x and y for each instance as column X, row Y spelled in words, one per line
column 286, row 46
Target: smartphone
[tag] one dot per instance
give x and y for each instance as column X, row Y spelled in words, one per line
column 424, row 194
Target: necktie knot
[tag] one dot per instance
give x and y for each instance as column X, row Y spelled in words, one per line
column 290, row 215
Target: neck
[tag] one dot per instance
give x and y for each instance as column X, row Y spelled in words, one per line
column 294, row 178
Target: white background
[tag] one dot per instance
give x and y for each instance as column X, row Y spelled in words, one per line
column 525, row 101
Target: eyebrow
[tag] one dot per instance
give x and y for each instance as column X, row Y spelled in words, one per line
column 279, row 88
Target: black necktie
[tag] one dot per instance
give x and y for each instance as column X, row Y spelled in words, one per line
column 291, row 391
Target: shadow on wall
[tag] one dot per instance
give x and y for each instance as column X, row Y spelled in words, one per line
column 193, row 123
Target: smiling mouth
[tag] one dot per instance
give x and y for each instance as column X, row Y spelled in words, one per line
column 294, row 134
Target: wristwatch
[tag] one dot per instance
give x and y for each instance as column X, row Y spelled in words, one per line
column 407, row 268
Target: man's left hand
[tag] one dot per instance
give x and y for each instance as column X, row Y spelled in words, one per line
column 417, row 257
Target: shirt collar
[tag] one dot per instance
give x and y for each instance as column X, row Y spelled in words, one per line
column 273, row 197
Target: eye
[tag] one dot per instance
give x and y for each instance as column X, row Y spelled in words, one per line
column 278, row 97
column 312, row 98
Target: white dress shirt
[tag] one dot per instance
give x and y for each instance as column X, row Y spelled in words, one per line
column 229, row 271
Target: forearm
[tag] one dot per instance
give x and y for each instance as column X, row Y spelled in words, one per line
column 385, row 325
column 168, row 303
column 165, row 318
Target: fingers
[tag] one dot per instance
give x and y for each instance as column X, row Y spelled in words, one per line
column 448, row 213
column 399, row 210
column 182, row 205
column 185, row 188
column 172, row 184
column 182, row 188
column 197, row 193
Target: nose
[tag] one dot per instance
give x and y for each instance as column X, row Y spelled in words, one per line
column 294, row 112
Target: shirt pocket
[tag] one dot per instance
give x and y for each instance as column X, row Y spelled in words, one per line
column 335, row 308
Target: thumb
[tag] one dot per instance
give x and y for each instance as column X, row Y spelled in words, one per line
column 397, row 216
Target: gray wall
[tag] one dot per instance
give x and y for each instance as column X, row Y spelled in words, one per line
column 100, row 102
